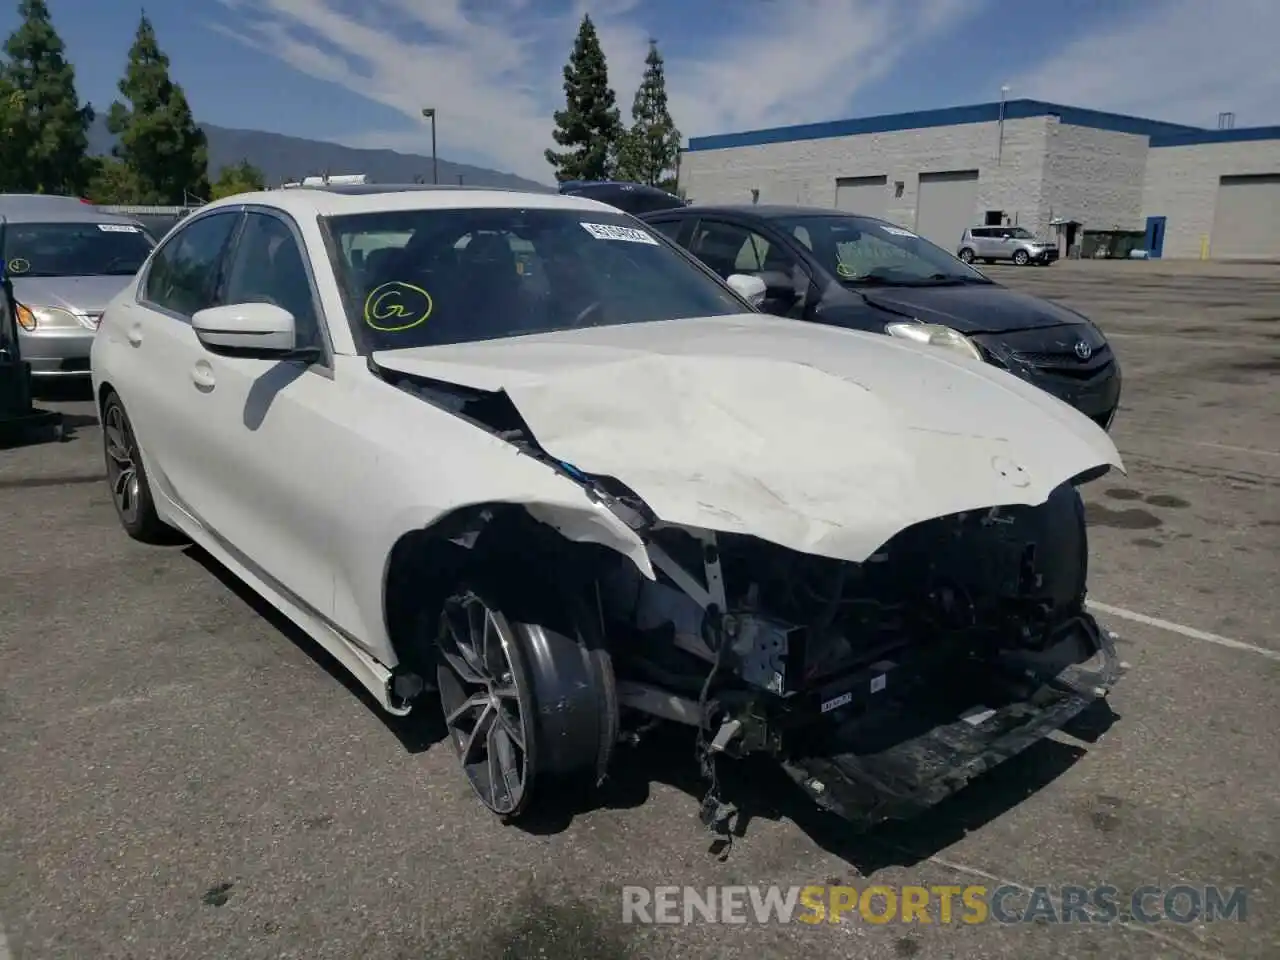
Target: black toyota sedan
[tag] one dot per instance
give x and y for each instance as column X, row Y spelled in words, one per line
column 866, row 274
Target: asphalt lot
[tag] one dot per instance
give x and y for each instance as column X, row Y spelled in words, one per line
column 184, row 776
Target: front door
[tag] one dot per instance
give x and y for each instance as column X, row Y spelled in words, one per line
column 1155, row 237
column 155, row 347
column 258, row 474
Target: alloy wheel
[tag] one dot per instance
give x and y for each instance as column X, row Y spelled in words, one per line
column 122, row 463
column 487, row 704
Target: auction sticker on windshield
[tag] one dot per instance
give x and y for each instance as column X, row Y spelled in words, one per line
column 605, row 231
column 117, row 228
column 899, row 232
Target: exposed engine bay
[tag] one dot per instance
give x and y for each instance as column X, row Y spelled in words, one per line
column 879, row 686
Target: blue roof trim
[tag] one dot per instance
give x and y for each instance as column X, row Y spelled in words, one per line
column 947, row 117
column 1195, row 137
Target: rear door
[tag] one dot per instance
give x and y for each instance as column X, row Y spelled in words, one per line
column 984, row 242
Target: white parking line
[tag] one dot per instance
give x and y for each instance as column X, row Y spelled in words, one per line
column 1191, row 632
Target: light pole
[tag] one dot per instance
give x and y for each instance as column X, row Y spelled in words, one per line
column 430, row 114
column 1004, row 92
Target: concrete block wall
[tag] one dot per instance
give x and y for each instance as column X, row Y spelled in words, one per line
column 805, row 171
column 1093, row 176
column 1182, row 185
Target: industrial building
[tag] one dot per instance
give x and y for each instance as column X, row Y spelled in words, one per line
column 1061, row 172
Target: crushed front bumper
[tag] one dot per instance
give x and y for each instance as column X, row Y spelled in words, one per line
column 884, row 766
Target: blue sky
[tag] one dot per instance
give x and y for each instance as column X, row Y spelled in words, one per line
column 359, row 71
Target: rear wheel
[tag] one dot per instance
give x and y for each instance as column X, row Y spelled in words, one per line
column 966, row 255
column 127, row 478
column 526, row 706
column 1021, row 258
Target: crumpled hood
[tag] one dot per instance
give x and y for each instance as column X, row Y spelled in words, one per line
column 823, row 440
column 979, row 308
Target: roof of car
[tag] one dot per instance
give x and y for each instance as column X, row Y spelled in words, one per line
column 340, row 199
column 39, row 208
column 764, row 211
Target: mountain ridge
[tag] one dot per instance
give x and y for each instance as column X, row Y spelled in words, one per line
column 282, row 158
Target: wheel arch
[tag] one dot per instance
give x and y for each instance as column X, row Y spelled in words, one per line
column 105, row 389
column 528, row 559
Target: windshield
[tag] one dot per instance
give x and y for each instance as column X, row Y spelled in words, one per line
column 860, row 251
column 418, row 278
column 74, row 249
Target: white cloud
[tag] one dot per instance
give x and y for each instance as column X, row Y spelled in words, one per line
column 1177, row 60
column 495, row 77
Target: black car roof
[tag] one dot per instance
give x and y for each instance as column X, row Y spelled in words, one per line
column 761, row 211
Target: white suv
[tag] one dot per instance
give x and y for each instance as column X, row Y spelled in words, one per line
column 1005, row 243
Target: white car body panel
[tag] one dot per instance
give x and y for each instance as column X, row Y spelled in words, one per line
column 301, row 480
column 822, row 440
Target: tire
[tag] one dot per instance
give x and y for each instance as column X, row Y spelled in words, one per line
column 543, row 701
column 127, row 477
column 966, row 255
column 1021, row 258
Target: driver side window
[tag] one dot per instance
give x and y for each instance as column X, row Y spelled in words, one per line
column 728, row 248
column 267, row 266
column 183, row 271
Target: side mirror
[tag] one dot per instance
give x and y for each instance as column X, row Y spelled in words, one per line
column 246, row 330
column 749, row 288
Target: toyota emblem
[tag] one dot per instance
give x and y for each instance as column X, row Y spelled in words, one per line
column 1083, row 350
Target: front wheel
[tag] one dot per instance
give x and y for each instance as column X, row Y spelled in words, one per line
column 525, row 705
column 1021, row 258
column 966, row 255
column 127, row 478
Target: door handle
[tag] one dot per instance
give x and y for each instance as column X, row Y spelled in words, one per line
column 202, row 376
column 134, row 335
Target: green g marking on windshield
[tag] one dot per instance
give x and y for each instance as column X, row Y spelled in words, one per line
column 19, row 265
column 397, row 306
column 846, row 271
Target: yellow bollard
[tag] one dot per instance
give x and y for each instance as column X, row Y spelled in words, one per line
column 1204, row 248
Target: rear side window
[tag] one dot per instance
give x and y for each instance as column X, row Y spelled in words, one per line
column 183, row 273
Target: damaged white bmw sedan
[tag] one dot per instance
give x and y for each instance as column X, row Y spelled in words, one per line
column 519, row 455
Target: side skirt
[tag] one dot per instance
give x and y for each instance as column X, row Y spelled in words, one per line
column 373, row 674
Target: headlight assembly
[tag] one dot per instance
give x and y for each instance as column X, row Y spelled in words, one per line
column 935, row 335
column 47, row 318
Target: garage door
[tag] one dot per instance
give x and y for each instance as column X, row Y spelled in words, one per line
column 1246, row 221
column 865, row 195
column 946, row 205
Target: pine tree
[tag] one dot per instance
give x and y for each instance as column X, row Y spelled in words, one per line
column 650, row 149
column 47, row 126
column 590, row 125
column 158, row 138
